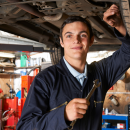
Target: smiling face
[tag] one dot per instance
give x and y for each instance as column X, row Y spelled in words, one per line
column 76, row 41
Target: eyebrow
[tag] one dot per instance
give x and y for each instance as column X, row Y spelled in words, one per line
column 84, row 32
column 67, row 32
column 79, row 32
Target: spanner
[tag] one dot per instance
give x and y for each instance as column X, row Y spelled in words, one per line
column 95, row 85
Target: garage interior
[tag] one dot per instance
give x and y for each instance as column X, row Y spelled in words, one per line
column 15, row 83
column 19, row 57
column 22, row 59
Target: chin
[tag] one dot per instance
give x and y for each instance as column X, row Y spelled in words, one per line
column 78, row 57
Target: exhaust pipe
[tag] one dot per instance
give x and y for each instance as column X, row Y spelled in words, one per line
column 55, row 17
column 28, row 8
column 35, row 12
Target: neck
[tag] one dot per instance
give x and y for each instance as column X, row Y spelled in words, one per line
column 78, row 65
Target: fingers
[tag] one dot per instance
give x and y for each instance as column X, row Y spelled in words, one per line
column 80, row 111
column 76, row 108
column 112, row 16
column 81, row 100
column 114, row 6
column 80, row 106
column 113, row 10
column 78, row 116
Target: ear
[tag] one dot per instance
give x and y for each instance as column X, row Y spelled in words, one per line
column 61, row 42
column 91, row 40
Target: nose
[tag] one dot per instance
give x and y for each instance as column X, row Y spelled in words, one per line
column 77, row 39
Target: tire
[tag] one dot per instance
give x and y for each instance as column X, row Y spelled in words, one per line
column 56, row 55
column 125, row 12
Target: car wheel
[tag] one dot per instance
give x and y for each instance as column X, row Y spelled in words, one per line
column 125, row 12
column 56, row 55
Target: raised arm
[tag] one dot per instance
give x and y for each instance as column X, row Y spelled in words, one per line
column 113, row 18
column 113, row 67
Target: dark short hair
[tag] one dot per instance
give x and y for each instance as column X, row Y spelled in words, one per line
column 76, row 19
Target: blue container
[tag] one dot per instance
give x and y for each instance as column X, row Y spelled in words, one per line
column 18, row 94
column 23, row 73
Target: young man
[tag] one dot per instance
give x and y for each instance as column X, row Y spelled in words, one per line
column 72, row 79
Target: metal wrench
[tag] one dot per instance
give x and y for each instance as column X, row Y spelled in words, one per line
column 95, row 85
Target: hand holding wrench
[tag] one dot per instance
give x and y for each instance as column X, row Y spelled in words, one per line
column 95, row 85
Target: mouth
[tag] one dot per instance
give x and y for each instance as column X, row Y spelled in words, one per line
column 77, row 48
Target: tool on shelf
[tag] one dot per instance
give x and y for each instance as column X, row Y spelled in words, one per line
column 114, row 100
column 11, row 90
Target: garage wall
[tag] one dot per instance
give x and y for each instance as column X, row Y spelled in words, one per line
column 6, row 78
column 121, row 92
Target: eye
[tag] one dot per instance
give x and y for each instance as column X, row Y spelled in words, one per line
column 68, row 36
column 83, row 35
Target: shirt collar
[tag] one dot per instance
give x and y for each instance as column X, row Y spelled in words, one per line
column 74, row 72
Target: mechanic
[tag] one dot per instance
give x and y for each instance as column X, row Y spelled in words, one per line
column 72, row 79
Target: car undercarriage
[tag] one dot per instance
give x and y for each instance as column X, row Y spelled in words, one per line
column 40, row 21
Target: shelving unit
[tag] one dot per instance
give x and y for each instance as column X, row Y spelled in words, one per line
column 10, row 74
column 15, row 68
column 7, row 66
column 115, row 117
column 5, row 72
column 29, row 67
column 112, row 129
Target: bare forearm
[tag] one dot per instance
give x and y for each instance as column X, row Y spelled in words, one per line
column 122, row 30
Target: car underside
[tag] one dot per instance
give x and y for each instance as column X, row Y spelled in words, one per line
column 41, row 20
